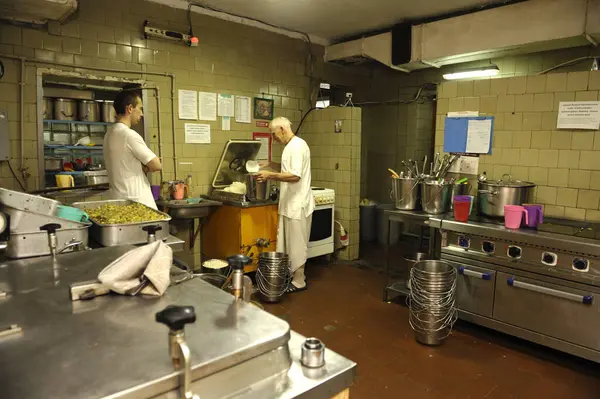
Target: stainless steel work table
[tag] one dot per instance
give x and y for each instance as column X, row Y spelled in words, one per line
column 418, row 218
column 112, row 347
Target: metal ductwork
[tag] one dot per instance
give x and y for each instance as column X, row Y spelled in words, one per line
column 527, row 27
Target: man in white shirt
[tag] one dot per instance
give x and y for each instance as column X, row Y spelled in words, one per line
column 126, row 155
column 296, row 202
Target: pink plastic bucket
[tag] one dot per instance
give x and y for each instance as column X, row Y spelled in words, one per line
column 513, row 214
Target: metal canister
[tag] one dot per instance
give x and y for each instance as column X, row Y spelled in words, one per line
column 65, row 109
column 405, row 193
column 48, row 108
column 107, row 111
column 89, row 111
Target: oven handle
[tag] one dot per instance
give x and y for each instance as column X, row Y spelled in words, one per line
column 585, row 299
column 466, row 272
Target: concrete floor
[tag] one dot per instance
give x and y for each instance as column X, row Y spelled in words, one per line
column 343, row 307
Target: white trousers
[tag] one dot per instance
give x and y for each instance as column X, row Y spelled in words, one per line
column 292, row 238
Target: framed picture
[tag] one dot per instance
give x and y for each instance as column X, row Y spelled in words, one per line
column 263, row 108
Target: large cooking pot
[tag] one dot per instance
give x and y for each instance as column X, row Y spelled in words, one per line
column 65, row 109
column 48, row 108
column 89, row 111
column 108, row 112
column 255, row 190
column 492, row 195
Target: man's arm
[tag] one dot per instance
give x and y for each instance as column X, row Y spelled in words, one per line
column 286, row 177
column 273, row 166
column 154, row 165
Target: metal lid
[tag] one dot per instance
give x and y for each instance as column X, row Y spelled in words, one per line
column 508, row 183
column 231, row 167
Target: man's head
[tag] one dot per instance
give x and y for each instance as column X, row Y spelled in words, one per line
column 281, row 129
column 128, row 105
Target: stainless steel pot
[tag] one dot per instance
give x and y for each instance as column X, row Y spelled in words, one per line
column 405, row 193
column 89, row 111
column 53, row 164
column 65, row 109
column 435, row 196
column 256, row 191
column 48, row 108
column 95, row 177
column 492, row 195
column 107, row 111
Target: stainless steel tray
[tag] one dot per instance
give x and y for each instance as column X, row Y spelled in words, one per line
column 109, row 235
column 25, row 245
column 26, row 221
column 28, row 202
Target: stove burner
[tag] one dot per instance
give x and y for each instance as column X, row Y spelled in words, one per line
column 581, row 265
column 514, row 252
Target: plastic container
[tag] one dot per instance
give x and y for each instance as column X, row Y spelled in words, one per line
column 155, row 192
column 71, row 213
column 535, row 213
column 462, row 210
column 367, row 222
column 513, row 214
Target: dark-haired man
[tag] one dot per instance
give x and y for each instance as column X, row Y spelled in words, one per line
column 126, row 154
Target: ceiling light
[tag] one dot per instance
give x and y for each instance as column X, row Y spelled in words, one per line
column 491, row 70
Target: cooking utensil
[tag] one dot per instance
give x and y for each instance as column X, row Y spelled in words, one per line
column 492, row 195
column 65, row 109
column 424, row 164
column 53, row 164
column 394, row 174
column 435, row 196
column 107, row 111
column 88, row 110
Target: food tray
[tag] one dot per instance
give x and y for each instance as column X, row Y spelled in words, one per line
column 25, row 221
column 28, row 202
column 109, row 235
column 25, row 245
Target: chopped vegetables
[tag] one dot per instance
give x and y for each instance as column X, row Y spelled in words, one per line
column 121, row 214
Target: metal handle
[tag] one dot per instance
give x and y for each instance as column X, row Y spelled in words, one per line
column 466, row 272
column 585, row 299
column 506, row 174
column 490, row 192
column 65, row 115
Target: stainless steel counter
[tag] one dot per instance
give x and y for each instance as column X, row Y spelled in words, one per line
column 111, row 345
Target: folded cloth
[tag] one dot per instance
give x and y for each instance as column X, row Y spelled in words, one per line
column 152, row 261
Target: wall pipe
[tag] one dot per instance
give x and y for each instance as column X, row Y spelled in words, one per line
column 22, row 167
column 113, row 70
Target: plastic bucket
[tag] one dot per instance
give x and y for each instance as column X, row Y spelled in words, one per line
column 71, row 213
column 462, row 209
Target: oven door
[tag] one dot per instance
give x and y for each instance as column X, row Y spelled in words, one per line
column 321, row 230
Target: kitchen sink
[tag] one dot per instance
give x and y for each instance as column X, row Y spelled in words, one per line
column 181, row 209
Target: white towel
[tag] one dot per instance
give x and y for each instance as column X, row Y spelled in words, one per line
column 152, row 261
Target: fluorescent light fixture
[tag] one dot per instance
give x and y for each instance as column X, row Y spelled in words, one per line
column 491, row 70
column 325, row 86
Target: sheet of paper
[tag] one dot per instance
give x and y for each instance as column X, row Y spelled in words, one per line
column 226, row 105
column 207, row 106
column 263, row 153
column 479, row 133
column 579, row 115
column 243, row 109
column 197, row 133
column 225, row 123
column 188, row 104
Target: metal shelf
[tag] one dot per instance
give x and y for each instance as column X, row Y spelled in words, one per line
column 72, row 147
column 52, row 121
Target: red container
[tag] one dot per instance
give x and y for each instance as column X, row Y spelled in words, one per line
column 462, row 210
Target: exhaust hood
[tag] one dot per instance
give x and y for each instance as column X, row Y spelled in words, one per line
column 527, row 27
column 37, row 12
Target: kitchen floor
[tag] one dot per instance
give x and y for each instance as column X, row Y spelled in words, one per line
column 343, row 307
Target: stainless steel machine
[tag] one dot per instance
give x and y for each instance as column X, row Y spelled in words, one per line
column 114, row 346
column 540, row 285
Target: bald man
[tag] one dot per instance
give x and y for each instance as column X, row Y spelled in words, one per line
column 296, row 202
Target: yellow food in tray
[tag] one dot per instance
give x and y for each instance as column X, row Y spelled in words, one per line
column 122, row 214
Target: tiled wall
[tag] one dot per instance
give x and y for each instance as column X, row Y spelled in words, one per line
column 565, row 164
column 335, row 160
column 231, row 58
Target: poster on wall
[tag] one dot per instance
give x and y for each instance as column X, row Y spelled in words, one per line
column 264, row 154
column 197, row 133
column 226, row 105
column 207, row 106
column 578, row 115
column 263, row 108
column 188, row 104
column 243, row 109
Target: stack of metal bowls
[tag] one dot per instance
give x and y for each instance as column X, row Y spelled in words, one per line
column 273, row 275
column 432, row 301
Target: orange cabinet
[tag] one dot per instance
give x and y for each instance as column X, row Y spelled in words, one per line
column 237, row 230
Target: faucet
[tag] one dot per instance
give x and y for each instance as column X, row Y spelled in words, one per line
column 176, row 317
column 74, row 243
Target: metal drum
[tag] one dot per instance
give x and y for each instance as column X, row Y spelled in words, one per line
column 405, row 193
column 432, row 301
column 435, row 196
column 273, row 275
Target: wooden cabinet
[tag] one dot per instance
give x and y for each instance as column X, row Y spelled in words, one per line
column 235, row 230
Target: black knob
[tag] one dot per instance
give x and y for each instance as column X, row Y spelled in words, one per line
column 580, row 264
column 488, row 247
column 514, row 252
column 237, row 262
column 176, row 317
column 152, row 229
column 51, row 227
column 549, row 258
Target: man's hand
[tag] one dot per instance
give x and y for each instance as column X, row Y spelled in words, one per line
column 264, row 175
